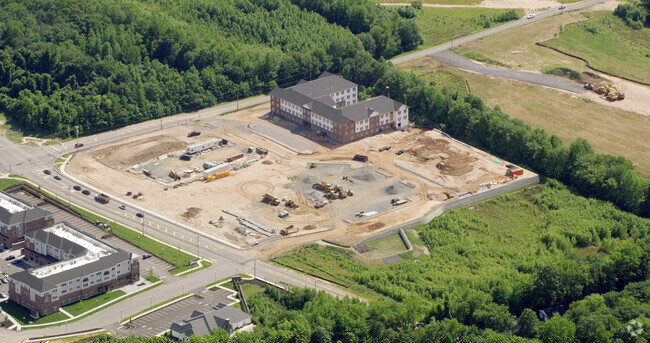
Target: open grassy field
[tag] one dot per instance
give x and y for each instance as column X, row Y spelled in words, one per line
column 607, row 129
column 516, row 49
column 389, row 246
column 609, row 45
column 21, row 314
column 442, row 24
column 91, row 303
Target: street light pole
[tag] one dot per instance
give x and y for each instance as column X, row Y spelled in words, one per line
column 76, row 128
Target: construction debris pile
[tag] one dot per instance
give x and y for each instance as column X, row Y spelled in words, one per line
column 248, row 224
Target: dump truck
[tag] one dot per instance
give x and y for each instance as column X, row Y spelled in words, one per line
column 102, row 198
column 288, row 230
column 322, row 186
column 269, row 199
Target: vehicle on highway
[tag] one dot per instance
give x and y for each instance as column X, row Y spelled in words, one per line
column 530, row 16
column 78, row 145
column 10, row 257
column 47, row 172
column 139, row 215
column 76, row 187
column 193, row 133
column 146, row 256
column 122, row 207
column 401, row 151
column 85, row 192
column 562, row 7
column 56, row 177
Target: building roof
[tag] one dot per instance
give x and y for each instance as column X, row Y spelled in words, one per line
column 14, row 211
column 200, row 324
column 308, row 95
column 89, row 256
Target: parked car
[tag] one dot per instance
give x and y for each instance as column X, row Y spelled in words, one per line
column 193, row 133
column 78, row 145
column 56, row 177
column 47, row 172
column 122, row 207
column 146, row 256
column 10, row 257
column 3, row 296
column 85, row 192
column 562, row 7
column 76, row 187
column 530, row 16
column 140, row 215
column 3, row 280
column 399, row 152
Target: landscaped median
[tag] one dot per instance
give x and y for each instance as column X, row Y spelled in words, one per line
column 20, row 315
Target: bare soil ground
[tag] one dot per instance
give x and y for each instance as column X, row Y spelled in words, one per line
column 288, row 176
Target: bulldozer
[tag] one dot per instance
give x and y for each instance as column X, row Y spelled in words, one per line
column 269, row 199
column 350, row 193
column 174, row 175
column 288, row 230
column 359, row 214
column 290, row 204
column 602, row 90
column 614, row 94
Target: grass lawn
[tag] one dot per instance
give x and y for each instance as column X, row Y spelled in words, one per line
column 389, row 246
column 439, row 25
column 204, row 265
column 21, row 314
column 6, row 183
column 441, row 2
column 151, row 279
column 559, row 113
column 91, row 303
column 225, row 279
column 609, row 45
column 250, row 290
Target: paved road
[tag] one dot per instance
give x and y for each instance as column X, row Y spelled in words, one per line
column 489, row 32
column 461, row 62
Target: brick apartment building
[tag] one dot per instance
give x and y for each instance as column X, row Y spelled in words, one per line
column 18, row 218
column 74, row 266
column 329, row 106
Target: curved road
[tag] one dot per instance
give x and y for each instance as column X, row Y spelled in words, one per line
column 461, row 62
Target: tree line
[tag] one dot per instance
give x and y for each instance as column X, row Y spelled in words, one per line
column 635, row 14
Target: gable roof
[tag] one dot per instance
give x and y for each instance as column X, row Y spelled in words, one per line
column 58, row 242
column 31, row 213
column 200, row 324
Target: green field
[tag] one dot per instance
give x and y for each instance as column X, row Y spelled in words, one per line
column 6, row 183
column 91, row 303
column 441, row 2
column 251, row 290
column 559, row 113
column 389, row 246
column 439, row 25
column 609, row 45
column 21, row 314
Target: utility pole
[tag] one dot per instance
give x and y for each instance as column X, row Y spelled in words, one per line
column 76, row 128
column 388, row 89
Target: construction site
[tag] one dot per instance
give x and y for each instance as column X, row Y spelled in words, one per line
column 243, row 179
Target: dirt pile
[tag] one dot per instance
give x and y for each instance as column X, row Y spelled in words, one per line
column 191, row 212
column 129, row 154
column 447, row 160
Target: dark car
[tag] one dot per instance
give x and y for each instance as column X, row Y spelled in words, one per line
column 139, row 215
column 146, row 256
column 193, row 133
column 47, row 172
column 78, row 145
column 76, row 188
column 56, row 177
column 85, row 192
column 10, row 257
column 399, row 152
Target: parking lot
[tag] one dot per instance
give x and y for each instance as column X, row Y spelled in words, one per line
column 159, row 321
column 160, row 267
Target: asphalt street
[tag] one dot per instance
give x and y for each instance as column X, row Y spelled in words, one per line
column 461, row 62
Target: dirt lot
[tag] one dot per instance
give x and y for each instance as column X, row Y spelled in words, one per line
column 289, row 176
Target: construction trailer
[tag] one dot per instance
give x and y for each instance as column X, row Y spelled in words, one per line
column 216, row 169
column 234, row 157
column 514, row 171
column 198, row 147
column 217, row 175
column 361, row 158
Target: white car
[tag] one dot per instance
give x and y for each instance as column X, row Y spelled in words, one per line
column 530, row 16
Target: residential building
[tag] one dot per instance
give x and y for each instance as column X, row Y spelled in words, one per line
column 74, row 267
column 18, row 218
column 329, row 105
column 229, row 318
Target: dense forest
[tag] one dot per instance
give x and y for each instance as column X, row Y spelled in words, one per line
column 636, row 14
column 99, row 64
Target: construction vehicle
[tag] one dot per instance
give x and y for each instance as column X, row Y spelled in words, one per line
column 146, row 172
column 322, row 186
column 102, row 198
column 350, row 193
column 312, row 165
column 217, row 176
column 614, row 94
column 359, row 214
column 291, row 204
column 399, row 202
column 589, row 86
column 174, row 175
column 271, row 200
column 602, row 90
column 128, row 193
column 288, row 230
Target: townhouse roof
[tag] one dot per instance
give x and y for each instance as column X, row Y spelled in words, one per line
column 14, row 211
column 326, row 83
